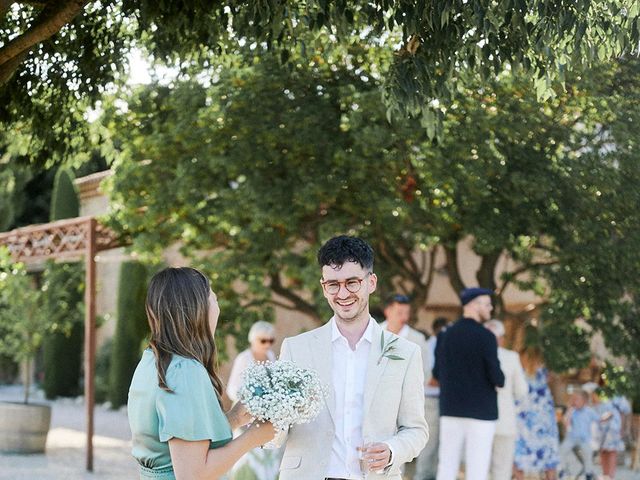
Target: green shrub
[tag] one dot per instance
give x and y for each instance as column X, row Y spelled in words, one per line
column 8, row 370
column 131, row 329
column 63, row 287
column 103, row 366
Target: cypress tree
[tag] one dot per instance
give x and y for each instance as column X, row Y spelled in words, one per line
column 131, row 329
column 62, row 349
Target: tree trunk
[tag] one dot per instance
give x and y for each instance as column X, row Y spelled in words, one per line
column 486, row 274
column 452, row 268
column 27, row 380
column 8, row 69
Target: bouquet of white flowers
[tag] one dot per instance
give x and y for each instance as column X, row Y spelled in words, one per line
column 282, row 393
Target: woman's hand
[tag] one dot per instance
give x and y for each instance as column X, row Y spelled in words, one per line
column 262, row 432
column 238, row 416
column 195, row 460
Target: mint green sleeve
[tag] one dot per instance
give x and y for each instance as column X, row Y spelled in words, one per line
column 192, row 412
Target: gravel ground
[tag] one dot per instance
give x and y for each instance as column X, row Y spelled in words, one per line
column 65, row 455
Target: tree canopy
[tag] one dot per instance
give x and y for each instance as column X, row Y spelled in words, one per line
column 58, row 57
column 251, row 173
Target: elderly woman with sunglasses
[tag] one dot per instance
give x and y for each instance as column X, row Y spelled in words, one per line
column 261, row 464
column 261, row 339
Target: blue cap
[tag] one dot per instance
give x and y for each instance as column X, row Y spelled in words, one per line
column 469, row 294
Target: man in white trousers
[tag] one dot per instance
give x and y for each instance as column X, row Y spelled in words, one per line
column 468, row 370
column 515, row 388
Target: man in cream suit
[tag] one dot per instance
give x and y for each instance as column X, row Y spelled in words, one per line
column 374, row 416
column 515, row 388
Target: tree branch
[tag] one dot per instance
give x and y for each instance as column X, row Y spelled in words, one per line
column 432, row 268
column 392, row 258
column 286, row 306
column 523, row 269
column 410, row 261
column 298, row 302
column 49, row 22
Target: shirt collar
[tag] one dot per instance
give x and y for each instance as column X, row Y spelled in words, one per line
column 367, row 335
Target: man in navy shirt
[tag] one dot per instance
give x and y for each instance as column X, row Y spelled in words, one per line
column 468, row 370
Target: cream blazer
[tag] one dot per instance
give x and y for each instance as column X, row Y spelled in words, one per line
column 393, row 405
column 515, row 388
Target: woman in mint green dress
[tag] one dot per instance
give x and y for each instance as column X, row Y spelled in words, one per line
column 179, row 430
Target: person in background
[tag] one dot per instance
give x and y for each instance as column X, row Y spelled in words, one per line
column 179, row 430
column 537, row 443
column 261, row 340
column 579, row 420
column 515, row 388
column 397, row 312
column 468, row 370
column 427, row 461
column 259, row 463
column 609, row 431
column 623, row 405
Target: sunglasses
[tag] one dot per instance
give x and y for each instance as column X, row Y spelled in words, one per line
column 267, row 340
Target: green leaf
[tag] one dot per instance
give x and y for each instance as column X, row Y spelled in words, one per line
column 394, row 357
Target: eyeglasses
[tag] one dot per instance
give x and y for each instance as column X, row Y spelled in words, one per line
column 267, row 340
column 352, row 285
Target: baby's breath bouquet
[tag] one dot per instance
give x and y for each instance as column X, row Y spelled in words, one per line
column 282, row 393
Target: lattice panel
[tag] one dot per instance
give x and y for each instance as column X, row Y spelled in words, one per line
column 56, row 240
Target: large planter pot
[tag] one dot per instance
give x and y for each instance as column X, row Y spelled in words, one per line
column 23, row 427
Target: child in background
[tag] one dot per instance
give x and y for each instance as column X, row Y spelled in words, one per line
column 578, row 422
column 609, row 436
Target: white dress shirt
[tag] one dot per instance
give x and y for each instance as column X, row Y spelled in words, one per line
column 348, row 376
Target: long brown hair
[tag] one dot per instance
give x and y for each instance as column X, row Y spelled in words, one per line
column 531, row 358
column 178, row 312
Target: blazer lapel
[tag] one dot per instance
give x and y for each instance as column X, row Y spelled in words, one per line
column 375, row 366
column 322, row 362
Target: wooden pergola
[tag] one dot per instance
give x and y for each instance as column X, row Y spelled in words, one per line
column 70, row 240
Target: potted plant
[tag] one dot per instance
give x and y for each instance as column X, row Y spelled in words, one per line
column 23, row 323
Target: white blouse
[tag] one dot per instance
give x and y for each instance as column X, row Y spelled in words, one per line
column 240, row 364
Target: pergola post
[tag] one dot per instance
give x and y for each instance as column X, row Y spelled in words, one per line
column 90, row 335
column 67, row 240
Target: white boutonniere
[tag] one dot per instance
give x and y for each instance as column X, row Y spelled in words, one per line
column 388, row 348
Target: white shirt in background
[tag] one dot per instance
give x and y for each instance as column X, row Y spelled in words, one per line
column 430, row 390
column 240, row 364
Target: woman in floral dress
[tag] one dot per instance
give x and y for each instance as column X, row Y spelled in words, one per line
column 537, row 443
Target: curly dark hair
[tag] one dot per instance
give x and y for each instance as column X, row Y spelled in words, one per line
column 338, row 250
